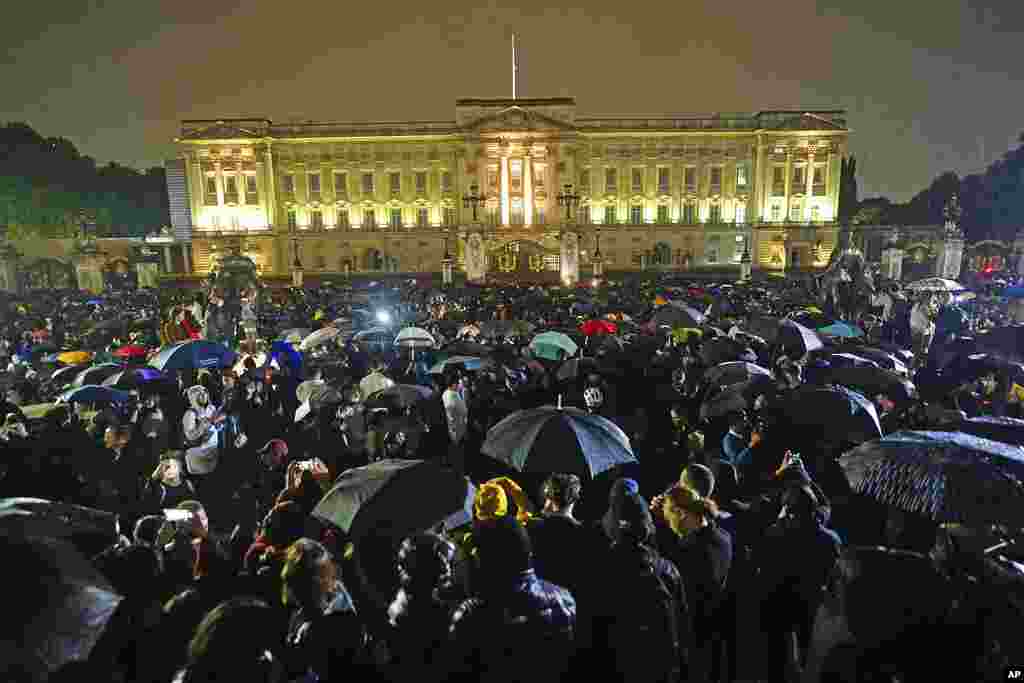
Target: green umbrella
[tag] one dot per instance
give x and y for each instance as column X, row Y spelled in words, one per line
column 553, row 346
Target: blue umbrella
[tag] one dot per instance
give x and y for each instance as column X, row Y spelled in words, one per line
column 93, row 393
column 550, row 439
column 841, row 329
column 285, row 354
column 192, row 355
column 1014, row 292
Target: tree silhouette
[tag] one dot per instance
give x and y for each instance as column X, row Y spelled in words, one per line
column 847, row 189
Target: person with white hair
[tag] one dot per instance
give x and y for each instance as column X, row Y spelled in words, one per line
column 201, row 428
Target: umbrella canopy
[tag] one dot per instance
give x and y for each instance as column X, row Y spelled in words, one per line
column 131, row 351
column 467, row 362
column 734, row 373
column 63, row 604
column 306, row 389
column 550, row 439
column 594, row 327
column 1004, row 342
column 849, row 360
column 373, row 383
column 796, row 338
column 397, row 498
column 553, row 346
column 736, row 397
column 93, row 393
column 133, row 378
column 96, row 374
column 319, row 338
column 75, row 357
column 832, row 412
column 725, row 350
column 1004, row 429
column 871, row 381
column 415, row 337
column 193, row 355
column 294, row 335
column 504, row 328
column 841, row 329
column 401, row 395
column 677, row 314
column 65, row 376
column 884, row 359
column 946, row 476
column 935, row 284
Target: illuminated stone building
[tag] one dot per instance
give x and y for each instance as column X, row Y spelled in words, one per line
column 687, row 193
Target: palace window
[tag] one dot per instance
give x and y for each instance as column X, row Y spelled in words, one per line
column 538, row 176
column 449, row 217
column 516, row 175
column 815, row 214
column 316, row 220
column 288, row 186
column 663, row 214
column 368, row 183
column 799, row 180
column 584, row 215
column 395, row 218
column 609, row 215
column 210, row 191
column 818, row 183
column 421, row 182
column 235, row 223
column 314, row 187
column 585, row 181
column 689, row 213
column 610, row 180
column 715, row 214
column 395, row 182
column 252, row 196
column 342, row 221
column 663, row 175
column 778, row 181
column 230, row 189
column 711, row 249
column 690, row 179
column 492, row 178
column 794, row 211
column 292, row 222
column 492, row 215
column 742, row 178
column 422, row 217
column 636, row 215
column 340, row 185
column 776, row 213
column 638, row 180
column 741, row 214
column 716, row 180
column 369, row 219
column 539, row 217
column 446, row 181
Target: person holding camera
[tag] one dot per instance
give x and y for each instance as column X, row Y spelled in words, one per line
column 167, row 488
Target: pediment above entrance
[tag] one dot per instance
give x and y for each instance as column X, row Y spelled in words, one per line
column 516, row 115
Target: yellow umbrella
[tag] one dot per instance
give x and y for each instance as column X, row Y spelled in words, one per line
column 681, row 335
column 660, row 301
column 74, row 357
column 814, row 309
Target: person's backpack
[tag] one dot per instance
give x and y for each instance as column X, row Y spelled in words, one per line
column 646, row 620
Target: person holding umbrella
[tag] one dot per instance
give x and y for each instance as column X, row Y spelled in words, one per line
column 457, row 414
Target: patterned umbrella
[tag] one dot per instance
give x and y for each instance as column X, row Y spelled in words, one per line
column 397, row 498
column 935, row 284
column 96, row 374
column 193, row 355
column 946, row 476
column 557, row 439
column 1004, row 429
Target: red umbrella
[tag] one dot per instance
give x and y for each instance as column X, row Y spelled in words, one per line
column 131, row 351
column 593, row 327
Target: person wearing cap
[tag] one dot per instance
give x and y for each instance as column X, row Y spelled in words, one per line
column 516, row 626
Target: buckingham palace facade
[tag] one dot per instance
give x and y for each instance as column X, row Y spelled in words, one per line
column 684, row 193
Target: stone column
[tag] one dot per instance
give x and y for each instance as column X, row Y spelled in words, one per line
column 951, row 254
column 527, row 190
column 476, row 258
column 148, row 274
column 505, row 199
column 446, row 271
column 9, row 269
column 892, row 261
column 570, row 260
column 268, row 189
column 186, row 251
column 168, row 267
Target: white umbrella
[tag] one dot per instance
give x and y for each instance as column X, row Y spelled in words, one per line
column 936, row 284
column 294, row 335
column 373, row 383
column 415, row 337
column 321, row 336
column 305, row 390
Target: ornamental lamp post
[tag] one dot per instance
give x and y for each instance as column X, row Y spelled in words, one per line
column 745, row 261
column 598, row 260
column 446, row 264
column 570, row 200
column 473, row 200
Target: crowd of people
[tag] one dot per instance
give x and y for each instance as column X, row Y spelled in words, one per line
column 712, row 557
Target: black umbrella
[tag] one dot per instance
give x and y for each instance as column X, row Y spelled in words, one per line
column 884, row 359
column 833, row 413
column 764, row 326
column 62, row 604
column 1004, row 342
column 872, row 381
column 734, row 372
column 550, row 439
column 1004, row 429
column 65, row 376
column 134, row 378
column 394, row 499
column 947, row 476
column 725, row 350
column 400, row 395
column 797, row 339
column 736, row 397
column 676, row 314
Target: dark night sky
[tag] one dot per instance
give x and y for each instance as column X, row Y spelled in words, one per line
column 929, row 86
